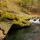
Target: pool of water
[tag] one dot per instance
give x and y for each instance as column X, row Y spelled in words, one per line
column 32, row 33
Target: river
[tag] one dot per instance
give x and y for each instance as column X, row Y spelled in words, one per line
column 32, row 33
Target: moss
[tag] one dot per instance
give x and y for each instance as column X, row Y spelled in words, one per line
column 17, row 19
column 9, row 9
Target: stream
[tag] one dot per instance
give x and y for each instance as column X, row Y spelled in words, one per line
column 32, row 33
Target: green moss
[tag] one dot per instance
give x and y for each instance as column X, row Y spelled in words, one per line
column 19, row 17
column 19, row 20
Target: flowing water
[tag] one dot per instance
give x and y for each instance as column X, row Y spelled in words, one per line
column 32, row 33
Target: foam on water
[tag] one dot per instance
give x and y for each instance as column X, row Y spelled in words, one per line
column 36, row 21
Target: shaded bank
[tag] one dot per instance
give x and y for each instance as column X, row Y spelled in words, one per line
column 15, row 29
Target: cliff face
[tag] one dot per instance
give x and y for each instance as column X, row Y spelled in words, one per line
column 17, row 12
column 14, row 12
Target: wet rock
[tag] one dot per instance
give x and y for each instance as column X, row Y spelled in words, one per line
column 1, row 35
